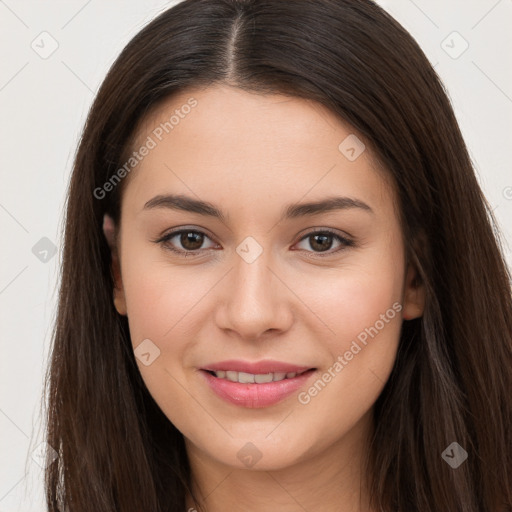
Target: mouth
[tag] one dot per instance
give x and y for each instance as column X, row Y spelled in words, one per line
column 267, row 384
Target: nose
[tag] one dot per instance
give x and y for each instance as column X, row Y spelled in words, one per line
column 257, row 300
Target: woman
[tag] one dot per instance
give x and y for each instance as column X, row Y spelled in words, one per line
column 281, row 284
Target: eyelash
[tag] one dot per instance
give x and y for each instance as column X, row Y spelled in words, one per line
column 345, row 242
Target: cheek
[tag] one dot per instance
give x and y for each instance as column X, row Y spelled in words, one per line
column 359, row 295
column 160, row 297
column 366, row 329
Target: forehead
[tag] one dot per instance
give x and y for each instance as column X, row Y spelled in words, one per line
column 222, row 141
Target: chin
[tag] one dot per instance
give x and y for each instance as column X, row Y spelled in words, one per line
column 259, row 455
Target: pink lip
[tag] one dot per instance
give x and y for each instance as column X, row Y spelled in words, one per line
column 256, row 395
column 257, row 368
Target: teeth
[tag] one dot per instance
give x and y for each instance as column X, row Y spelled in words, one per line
column 245, row 378
column 232, row 376
column 250, row 378
column 261, row 379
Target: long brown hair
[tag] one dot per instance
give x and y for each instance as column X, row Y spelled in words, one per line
column 452, row 378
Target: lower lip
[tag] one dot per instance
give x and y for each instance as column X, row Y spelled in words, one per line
column 256, row 395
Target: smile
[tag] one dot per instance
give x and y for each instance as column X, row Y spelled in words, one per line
column 255, row 385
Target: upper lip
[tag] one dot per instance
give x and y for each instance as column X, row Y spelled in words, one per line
column 256, row 368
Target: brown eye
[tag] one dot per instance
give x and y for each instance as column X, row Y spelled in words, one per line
column 322, row 241
column 186, row 241
column 191, row 240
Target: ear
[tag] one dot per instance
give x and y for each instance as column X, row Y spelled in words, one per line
column 110, row 232
column 414, row 295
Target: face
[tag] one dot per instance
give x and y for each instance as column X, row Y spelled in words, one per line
column 234, row 274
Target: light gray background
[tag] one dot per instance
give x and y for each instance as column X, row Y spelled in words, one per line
column 44, row 102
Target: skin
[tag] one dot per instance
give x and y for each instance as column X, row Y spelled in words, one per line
column 251, row 155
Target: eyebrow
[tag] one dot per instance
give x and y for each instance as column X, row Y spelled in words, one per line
column 292, row 211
